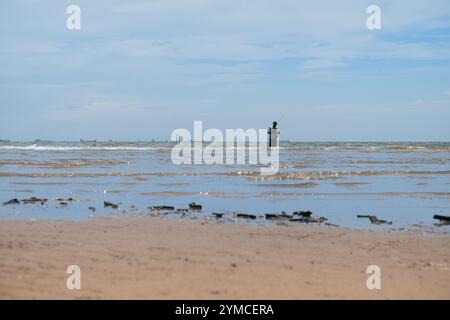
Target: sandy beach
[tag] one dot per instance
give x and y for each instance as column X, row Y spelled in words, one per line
column 157, row 258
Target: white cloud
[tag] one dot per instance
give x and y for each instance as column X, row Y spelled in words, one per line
column 324, row 33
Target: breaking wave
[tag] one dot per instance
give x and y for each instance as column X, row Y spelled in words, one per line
column 284, row 146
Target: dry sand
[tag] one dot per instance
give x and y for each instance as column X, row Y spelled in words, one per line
column 155, row 258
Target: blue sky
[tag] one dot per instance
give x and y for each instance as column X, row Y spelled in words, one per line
column 137, row 70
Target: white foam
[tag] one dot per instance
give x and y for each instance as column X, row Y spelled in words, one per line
column 35, row 147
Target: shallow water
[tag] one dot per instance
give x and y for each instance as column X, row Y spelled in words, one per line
column 406, row 183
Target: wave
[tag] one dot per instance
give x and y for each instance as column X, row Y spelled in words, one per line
column 35, row 147
column 284, row 146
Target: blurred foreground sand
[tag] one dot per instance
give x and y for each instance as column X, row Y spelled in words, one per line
column 155, row 258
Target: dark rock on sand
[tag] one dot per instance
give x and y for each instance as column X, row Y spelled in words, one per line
column 218, row 215
column 107, row 204
column 441, row 218
column 194, row 206
column 308, row 219
column 34, row 200
column 161, row 208
column 305, row 214
column 282, row 216
column 374, row 219
column 10, row 202
column 65, row 200
column 246, row 216
column 271, row 216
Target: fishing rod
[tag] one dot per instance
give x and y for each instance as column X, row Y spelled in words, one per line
column 282, row 116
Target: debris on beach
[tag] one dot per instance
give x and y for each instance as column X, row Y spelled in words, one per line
column 63, row 204
column 34, row 200
column 161, row 208
column 10, row 202
column 443, row 220
column 92, row 209
column 64, row 200
column 308, row 219
column 246, row 216
column 195, row 206
column 374, row 219
column 274, row 216
column 107, row 204
column 331, row 224
column 72, row 200
column 304, row 217
column 218, row 215
column 42, row 201
column 183, row 210
column 305, row 214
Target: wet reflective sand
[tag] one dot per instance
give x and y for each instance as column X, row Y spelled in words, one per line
column 404, row 183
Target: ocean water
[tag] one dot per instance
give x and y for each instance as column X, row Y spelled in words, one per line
column 406, row 183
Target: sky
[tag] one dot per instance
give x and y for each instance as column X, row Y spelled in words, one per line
column 137, row 70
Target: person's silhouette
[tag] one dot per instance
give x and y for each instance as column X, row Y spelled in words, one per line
column 273, row 135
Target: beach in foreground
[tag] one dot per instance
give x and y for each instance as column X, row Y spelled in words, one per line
column 155, row 258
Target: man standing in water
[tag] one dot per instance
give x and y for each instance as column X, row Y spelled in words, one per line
column 273, row 135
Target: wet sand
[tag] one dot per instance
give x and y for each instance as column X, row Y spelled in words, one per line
column 403, row 182
column 157, row 258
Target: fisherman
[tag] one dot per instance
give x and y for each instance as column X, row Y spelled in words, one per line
column 273, row 134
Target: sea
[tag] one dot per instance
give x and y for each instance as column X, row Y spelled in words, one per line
column 405, row 183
